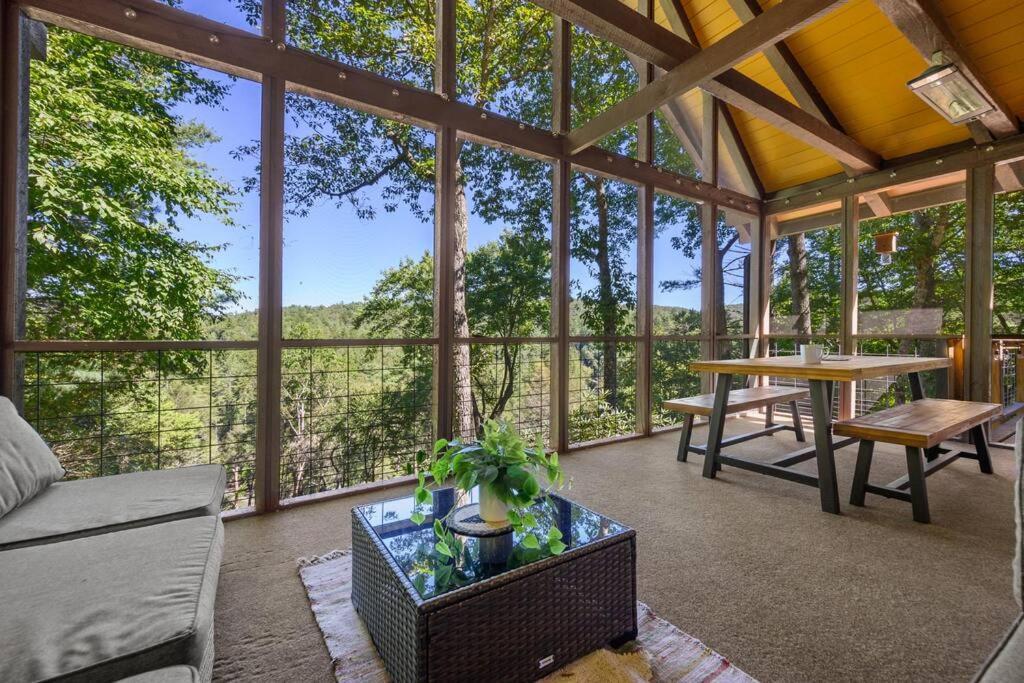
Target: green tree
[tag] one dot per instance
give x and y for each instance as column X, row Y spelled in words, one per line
column 110, row 173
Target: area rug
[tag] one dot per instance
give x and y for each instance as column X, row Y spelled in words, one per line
column 662, row 653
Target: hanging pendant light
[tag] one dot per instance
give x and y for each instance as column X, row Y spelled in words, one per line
column 885, row 246
column 948, row 91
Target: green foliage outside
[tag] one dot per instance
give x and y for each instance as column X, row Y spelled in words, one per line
column 112, row 174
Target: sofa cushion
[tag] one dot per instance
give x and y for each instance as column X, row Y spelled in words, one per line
column 86, row 507
column 171, row 674
column 111, row 606
column 27, row 465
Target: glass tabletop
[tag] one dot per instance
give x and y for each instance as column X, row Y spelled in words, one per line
column 412, row 546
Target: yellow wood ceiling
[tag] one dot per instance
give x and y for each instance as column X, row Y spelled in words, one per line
column 860, row 64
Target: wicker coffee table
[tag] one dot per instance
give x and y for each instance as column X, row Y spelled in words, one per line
column 501, row 611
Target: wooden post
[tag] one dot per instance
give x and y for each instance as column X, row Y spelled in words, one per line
column 268, row 354
column 445, row 163
column 645, row 256
column 978, row 283
column 15, row 36
column 850, row 227
column 560, row 186
column 760, row 286
column 955, row 380
column 996, row 386
column 709, row 240
column 1019, row 393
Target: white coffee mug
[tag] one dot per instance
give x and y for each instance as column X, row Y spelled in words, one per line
column 811, row 353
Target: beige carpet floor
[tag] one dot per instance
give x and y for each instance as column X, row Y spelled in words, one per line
column 747, row 563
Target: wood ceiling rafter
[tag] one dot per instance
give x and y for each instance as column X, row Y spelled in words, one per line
column 158, row 28
column 654, row 43
column 899, row 171
column 800, row 85
column 922, row 23
column 749, row 39
column 733, row 144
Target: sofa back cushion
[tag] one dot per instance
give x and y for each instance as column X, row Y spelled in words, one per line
column 27, row 465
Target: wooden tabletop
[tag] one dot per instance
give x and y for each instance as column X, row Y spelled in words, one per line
column 852, row 370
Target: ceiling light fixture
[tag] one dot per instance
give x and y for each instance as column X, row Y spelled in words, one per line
column 948, row 91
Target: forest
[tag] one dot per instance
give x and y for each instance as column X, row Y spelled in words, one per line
column 114, row 172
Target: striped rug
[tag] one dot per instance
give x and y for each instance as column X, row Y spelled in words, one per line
column 662, row 652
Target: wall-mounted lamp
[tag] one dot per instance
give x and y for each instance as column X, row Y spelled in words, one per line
column 885, row 246
column 945, row 88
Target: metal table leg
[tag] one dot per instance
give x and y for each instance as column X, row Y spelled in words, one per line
column 717, row 426
column 917, row 393
column 821, row 406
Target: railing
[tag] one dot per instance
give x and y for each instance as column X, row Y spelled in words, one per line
column 109, row 412
column 352, row 414
column 880, row 392
column 670, row 378
column 1008, row 371
column 510, row 381
column 602, row 393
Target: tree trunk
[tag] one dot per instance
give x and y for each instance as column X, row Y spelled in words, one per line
column 722, row 313
column 463, row 389
column 925, row 280
column 798, row 282
column 606, row 298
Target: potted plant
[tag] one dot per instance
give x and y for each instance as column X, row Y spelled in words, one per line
column 506, row 469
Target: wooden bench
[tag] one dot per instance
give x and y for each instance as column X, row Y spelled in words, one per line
column 740, row 400
column 920, row 426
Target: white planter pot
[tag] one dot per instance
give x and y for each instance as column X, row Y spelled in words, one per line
column 492, row 508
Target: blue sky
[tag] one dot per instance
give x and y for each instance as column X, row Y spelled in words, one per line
column 331, row 255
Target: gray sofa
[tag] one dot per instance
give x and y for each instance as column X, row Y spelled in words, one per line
column 111, row 578
column 1006, row 663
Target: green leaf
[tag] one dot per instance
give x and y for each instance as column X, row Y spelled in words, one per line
column 530, row 541
column 422, row 495
column 443, row 548
column 554, row 534
column 417, row 518
column 440, row 445
column 556, row 547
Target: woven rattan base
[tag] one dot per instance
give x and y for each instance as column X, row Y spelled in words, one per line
column 517, row 626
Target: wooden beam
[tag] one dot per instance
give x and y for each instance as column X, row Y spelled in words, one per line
column 978, row 283
column 645, row 255
column 709, row 242
column 1010, row 176
column 709, row 137
column 168, row 31
column 676, row 115
column 708, row 289
column 919, row 167
column 620, row 25
column 561, row 92
column 732, row 144
column 268, row 352
column 788, row 68
column 879, row 203
column 15, row 48
column 769, row 28
column 760, row 286
column 446, row 156
column 797, row 81
column 922, row 23
column 850, row 238
column 747, row 179
column 914, row 201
